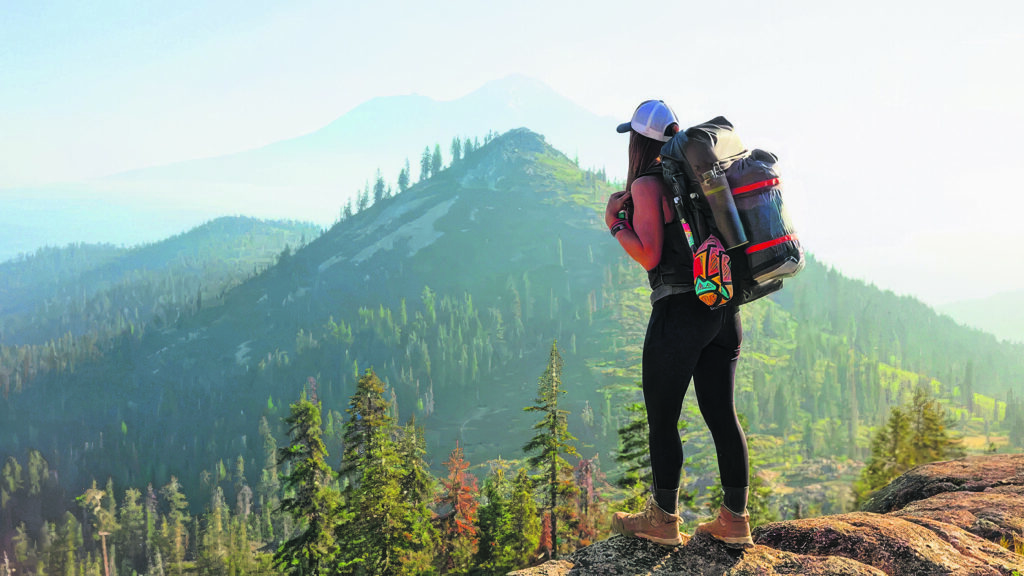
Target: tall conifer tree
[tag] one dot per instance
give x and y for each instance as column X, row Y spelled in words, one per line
column 456, row 150
column 509, row 527
column 416, row 486
column 367, row 411
column 425, row 164
column 403, row 177
column 458, row 528
column 436, row 162
column 376, row 533
column 494, row 555
column 550, row 443
column 313, row 500
column 526, row 523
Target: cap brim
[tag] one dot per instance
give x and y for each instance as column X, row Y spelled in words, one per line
column 623, row 128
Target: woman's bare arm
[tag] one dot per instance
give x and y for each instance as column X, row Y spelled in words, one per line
column 644, row 242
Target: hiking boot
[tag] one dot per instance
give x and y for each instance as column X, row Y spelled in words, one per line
column 653, row 524
column 729, row 528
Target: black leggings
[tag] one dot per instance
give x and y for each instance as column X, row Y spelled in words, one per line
column 686, row 338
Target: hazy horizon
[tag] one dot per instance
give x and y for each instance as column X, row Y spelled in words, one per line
column 889, row 119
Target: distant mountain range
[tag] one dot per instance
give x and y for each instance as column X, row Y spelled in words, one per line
column 308, row 178
column 1001, row 315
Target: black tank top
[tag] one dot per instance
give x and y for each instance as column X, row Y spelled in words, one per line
column 674, row 272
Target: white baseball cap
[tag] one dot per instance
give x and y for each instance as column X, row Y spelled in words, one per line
column 653, row 118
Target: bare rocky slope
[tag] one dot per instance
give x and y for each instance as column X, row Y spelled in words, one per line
column 945, row 518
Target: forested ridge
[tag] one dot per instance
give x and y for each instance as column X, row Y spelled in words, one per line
column 452, row 290
column 95, row 290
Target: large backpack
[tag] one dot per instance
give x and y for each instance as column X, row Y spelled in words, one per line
column 719, row 188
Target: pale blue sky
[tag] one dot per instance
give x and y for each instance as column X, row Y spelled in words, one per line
column 92, row 88
column 917, row 104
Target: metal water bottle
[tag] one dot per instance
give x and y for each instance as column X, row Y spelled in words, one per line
column 718, row 194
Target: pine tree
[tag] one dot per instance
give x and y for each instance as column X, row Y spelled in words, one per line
column 458, row 526
column 379, row 188
column 238, row 474
column 363, row 198
column 21, row 544
column 526, row 524
column 69, row 542
column 929, row 438
column 214, row 541
column 456, row 150
column 403, row 177
column 367, row 412
column 634, row 454
column 313, row 501
column 376, row 533
column 425, row 164
column 436, row 163
column 509, row 528
column 172, row 537
column 416, row 486
column 493, row 554
column 10, row 480
column 268, row 489
column 967, row 389
column 103, row 518
column 38, row 472
column 377, row 507
column 551, row 441
column 131, row 538
column 780, row 403
column 890, row 453
column 913, row 435
column 634, row 458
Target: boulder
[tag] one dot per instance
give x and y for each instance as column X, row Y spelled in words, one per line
column 970, row 474
column 995, row 515
column 896, row 546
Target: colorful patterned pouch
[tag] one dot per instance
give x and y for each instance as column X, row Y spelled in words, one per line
column 712, row 273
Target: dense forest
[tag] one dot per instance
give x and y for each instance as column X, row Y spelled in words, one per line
column 446, row 296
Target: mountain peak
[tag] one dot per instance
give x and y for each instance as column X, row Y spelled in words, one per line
column 516, row 84
column 519, row 140
column 513, row 153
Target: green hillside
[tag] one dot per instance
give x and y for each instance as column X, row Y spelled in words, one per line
column 98, row 290
column 453, row 292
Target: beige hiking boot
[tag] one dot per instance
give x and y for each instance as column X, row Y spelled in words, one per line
column 729, row 528
column 653, row 524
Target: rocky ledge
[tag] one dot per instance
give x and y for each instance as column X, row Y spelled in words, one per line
column 945, row 518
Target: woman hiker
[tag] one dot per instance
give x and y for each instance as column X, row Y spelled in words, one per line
column 685, row 338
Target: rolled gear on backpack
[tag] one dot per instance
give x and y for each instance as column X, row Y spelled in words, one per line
column 774, row 250
column 720, row 189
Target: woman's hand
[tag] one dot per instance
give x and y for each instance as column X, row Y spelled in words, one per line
column 616, row 202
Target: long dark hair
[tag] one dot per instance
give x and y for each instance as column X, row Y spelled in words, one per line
column 643, row 153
